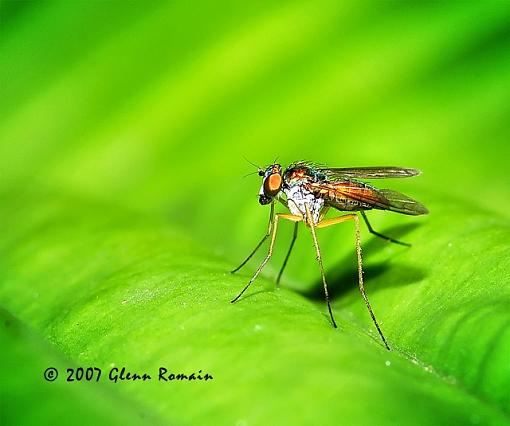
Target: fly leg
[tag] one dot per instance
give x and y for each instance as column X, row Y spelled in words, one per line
column 268, row 233
column 274, row 227
column 355, row 218
column 309, row 220
column 294, row 236
column 384, row 237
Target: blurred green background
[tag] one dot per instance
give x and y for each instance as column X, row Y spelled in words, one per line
column 123, row 132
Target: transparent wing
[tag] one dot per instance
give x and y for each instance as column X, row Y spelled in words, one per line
column 369, row 172
column 336, row 193
column 401, row 203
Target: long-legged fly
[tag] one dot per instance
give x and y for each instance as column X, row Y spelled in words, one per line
column 309, row 190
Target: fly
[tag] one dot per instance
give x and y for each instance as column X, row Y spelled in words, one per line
column 309, row 190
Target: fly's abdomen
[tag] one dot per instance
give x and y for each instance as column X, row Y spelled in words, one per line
column 343, row 195
column 352, row 195
column 346, row 204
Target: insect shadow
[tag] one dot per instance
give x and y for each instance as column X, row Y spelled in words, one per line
column 343, row 276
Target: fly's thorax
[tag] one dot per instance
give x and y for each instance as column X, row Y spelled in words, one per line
column 298, row 196
column 301, row 171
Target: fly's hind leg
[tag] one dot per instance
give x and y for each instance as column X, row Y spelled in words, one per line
column 384, row 237
column 355, row 218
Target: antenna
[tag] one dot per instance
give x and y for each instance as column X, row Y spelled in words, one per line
column 259, row 169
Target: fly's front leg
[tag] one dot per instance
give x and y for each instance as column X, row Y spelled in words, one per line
column 270, row 226
column 290, row 217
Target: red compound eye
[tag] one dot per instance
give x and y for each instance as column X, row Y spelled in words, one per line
column 272, row 184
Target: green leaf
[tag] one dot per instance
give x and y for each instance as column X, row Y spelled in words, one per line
column 29, row 399
column 123, row 128
column 109, row 288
